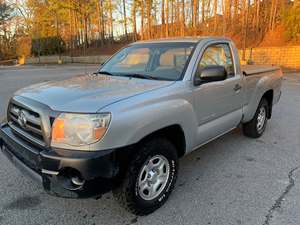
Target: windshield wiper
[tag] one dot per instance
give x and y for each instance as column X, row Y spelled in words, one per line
column 142, row 76
column 134, row 75
column 104, row 72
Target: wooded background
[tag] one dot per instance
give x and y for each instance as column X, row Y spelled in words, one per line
column 89, row 27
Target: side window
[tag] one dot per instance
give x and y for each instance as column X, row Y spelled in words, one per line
column 218, row 54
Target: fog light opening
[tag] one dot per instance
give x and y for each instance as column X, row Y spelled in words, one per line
column 71, row 179
column 77, row 181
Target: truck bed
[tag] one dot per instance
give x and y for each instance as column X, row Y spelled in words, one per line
column 249, row 70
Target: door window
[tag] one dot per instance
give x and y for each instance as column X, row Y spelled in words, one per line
column 218, row 54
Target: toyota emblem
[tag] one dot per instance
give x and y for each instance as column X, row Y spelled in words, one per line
column 22, row 119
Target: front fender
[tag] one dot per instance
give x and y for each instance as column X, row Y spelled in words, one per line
column 131, row 124
column 174, row 112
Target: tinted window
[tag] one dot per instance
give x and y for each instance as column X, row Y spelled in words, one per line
column 218, row 54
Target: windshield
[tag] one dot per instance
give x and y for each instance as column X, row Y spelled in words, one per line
column 162, row 61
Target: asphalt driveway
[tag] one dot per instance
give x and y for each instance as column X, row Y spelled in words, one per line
column 232, row 181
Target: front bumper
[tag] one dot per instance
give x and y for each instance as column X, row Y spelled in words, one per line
column 50, row 167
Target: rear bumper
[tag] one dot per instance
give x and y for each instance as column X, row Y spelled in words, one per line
column 50, row 167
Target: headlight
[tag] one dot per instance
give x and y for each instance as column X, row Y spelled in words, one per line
column 79, row 129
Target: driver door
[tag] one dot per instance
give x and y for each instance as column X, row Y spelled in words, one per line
column 218, row 104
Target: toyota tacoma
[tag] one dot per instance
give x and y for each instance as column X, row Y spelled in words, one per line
column 124, row 127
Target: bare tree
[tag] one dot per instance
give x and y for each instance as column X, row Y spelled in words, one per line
column 125, row 20
column 111, row 25
column 182, row 22
column 167, row 18
column 149, row 19
column 142, row 19
column 215, row 16
column 203, row 11
column 134, row 9
column 194, row 16
column 162, row 18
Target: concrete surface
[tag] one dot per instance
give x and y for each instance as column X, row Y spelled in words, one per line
column 231, row 181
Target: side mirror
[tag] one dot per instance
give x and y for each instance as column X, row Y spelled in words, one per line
column 210, row 74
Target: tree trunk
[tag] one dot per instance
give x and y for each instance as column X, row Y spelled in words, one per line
column 223, row 17
column 258, row 16
column 111, row 21
column 71, row 30
column 167, row 18
column 235, row 12
column 102, row 23
column 98, row 21
column 177, row 13
column 149, row 20
column 194, row 16
column 227, row 14
column 182, row 27
column 245, row 21
column 203, row 11
column 208, row 14
column 154, row 21
column 162, row 29
column 86, row 44
column 271, row 14
column 125, row 20
column 142, row 19
column 215, row 16
column 77, row 36
column 134, row 20
column 274, row 15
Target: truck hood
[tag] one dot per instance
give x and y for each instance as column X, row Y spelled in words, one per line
column 88, row 93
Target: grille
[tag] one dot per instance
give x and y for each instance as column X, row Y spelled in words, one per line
column 26, row 124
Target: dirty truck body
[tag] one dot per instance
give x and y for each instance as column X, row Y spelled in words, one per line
column 125, row 126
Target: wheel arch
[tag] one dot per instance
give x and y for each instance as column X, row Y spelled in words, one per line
column 251, row 107
column 174, row 133
column 269, row 95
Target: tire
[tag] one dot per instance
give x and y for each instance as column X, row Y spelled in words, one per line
column 256, row 127
column 130, row 194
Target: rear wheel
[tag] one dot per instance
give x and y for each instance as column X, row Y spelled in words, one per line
column 150, row 178
column 256, row 127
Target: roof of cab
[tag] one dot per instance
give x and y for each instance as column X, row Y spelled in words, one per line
column 181, row 39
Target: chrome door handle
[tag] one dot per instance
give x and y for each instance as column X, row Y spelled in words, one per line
column 237, row 88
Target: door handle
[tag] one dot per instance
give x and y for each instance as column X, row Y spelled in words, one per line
column 237, row 88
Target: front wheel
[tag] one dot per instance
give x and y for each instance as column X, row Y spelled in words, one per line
column 150, row 178
column 256, row 127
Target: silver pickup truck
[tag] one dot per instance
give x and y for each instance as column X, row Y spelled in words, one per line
column 124, row 127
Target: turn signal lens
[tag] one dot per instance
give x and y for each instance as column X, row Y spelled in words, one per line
column 99, row 132
column 58, row 130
